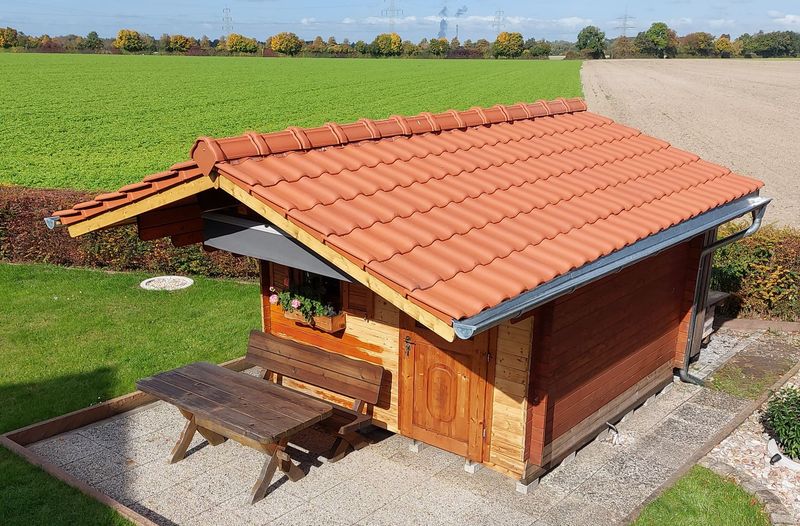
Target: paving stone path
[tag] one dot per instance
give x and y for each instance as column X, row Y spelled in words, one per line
column 385, row 483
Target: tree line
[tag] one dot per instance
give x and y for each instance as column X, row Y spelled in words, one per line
column 659, row 40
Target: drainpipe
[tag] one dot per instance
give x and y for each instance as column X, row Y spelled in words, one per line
column 702, row 285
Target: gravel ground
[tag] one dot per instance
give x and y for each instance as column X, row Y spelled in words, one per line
column 743, row 114
column 746, row 450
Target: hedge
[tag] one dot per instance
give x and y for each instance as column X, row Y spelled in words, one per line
column 762, row 272
column 25, row 238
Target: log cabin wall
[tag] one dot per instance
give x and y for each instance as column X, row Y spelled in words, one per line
column 509, row 387
column 372, row 334
column 600, row 351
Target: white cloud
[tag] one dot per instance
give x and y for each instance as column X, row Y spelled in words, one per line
column 573, row 22
column 721, row 22
column 787, row 20
column 516, row 22
column 348, row 20
column 383, row 20
column 308, row 21
column 682, row 21
column 774, row 14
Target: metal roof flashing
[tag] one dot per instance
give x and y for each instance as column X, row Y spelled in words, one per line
column 616, row 261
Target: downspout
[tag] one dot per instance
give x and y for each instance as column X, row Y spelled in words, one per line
column 701, row 288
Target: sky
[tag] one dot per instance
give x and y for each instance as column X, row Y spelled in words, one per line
column 362, row 20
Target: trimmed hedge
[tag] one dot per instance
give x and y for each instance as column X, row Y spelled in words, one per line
column 762, row 272
column 25, row 238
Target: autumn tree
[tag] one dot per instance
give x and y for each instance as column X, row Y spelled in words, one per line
column 387, row 45
column 361, row 47
column 129, row 40
column 623, row 47
column 9, row 37
column 180, row 43
column 286, row 43
column 92, row 41
column 317, row 45
column 723, row 46
column 439, row 46
column 592, row 42
column 699, row 44
column 508, row 44
column 237, row 43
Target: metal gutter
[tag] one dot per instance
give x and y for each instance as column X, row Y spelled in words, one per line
column 616, row 261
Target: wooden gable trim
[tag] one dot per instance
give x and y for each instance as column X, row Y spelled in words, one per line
column 129, row 211
column 440, row 327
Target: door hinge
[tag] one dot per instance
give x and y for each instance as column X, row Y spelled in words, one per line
column 488, row 357
column 484, row 431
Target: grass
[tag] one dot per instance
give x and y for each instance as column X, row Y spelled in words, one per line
column 101, row 121
column 701, row 498
column 70, row 338
column 731, row 379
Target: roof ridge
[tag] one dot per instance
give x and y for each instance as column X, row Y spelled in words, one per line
column 207, row 151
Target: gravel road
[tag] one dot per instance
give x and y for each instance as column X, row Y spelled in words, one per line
column 743, row 114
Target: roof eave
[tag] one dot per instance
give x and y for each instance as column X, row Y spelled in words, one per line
column 616, row 261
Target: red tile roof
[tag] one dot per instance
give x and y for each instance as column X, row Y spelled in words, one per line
column 461, row 210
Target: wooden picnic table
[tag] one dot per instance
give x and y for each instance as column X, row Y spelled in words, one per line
column 219, row 404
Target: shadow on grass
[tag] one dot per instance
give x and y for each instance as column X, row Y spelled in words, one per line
column 28, row 495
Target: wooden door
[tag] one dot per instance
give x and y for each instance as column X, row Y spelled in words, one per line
column 442, row 389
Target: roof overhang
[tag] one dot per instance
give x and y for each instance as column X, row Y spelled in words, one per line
column 612, row 263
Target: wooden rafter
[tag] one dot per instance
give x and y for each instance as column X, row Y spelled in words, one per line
column 126, row 212
column 435, row 324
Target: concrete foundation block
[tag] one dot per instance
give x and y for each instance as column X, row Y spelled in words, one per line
column 524, row 488
column 416, row 446
column 472, row 467
column 569, row 458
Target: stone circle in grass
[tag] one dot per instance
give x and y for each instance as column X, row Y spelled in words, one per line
column 166, row 283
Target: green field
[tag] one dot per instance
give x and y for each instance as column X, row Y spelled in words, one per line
column 100, row 121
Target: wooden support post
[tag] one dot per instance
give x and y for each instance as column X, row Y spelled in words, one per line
column 179, row 450
column 213, row 438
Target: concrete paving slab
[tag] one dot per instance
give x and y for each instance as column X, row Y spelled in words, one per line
column 385, row 483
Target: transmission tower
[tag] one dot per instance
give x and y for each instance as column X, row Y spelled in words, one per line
column 227, row 21
column 497, row 23
column 392, row 12
column 624, row 23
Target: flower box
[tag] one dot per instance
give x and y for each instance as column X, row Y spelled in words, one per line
column 330, row 324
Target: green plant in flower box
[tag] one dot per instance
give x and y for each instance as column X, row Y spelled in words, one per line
column 305, row 298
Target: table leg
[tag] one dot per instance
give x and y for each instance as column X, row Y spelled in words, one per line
column 179, row 450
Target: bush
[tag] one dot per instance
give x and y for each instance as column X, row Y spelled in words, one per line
column 24, row 238
column 782, row 418
column 762, row 272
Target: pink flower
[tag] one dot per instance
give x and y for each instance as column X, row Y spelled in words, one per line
column 285, row 282
column 273, row 299
column 295, row 304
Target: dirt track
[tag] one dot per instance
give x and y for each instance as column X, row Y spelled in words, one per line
column 742, row 114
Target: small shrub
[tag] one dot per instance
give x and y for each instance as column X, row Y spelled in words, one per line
column 782, row 418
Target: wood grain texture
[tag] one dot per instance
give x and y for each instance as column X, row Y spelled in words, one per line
column 510, row 388
column 374, row 339
column 599, row 348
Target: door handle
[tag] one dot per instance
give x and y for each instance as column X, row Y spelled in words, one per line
column 408, row 345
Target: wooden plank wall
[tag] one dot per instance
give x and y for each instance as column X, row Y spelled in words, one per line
column 372, row 334
column 593, row 346
column 507, row 449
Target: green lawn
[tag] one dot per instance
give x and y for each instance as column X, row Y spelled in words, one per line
column 71, row 338
column 100, row 121
column 703, row 498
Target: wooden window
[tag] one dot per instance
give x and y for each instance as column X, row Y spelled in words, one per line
column 327, row 290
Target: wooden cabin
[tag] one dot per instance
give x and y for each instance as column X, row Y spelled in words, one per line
column 524, row 273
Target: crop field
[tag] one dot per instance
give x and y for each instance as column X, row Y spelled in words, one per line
column 98, row 122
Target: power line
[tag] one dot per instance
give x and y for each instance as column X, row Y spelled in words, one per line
column 392, row 12
column 227, row 21
column 497, row 23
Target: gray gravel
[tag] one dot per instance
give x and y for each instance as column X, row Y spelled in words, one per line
column 743, row 114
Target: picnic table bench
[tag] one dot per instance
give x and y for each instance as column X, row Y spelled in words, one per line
column 219, row 403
